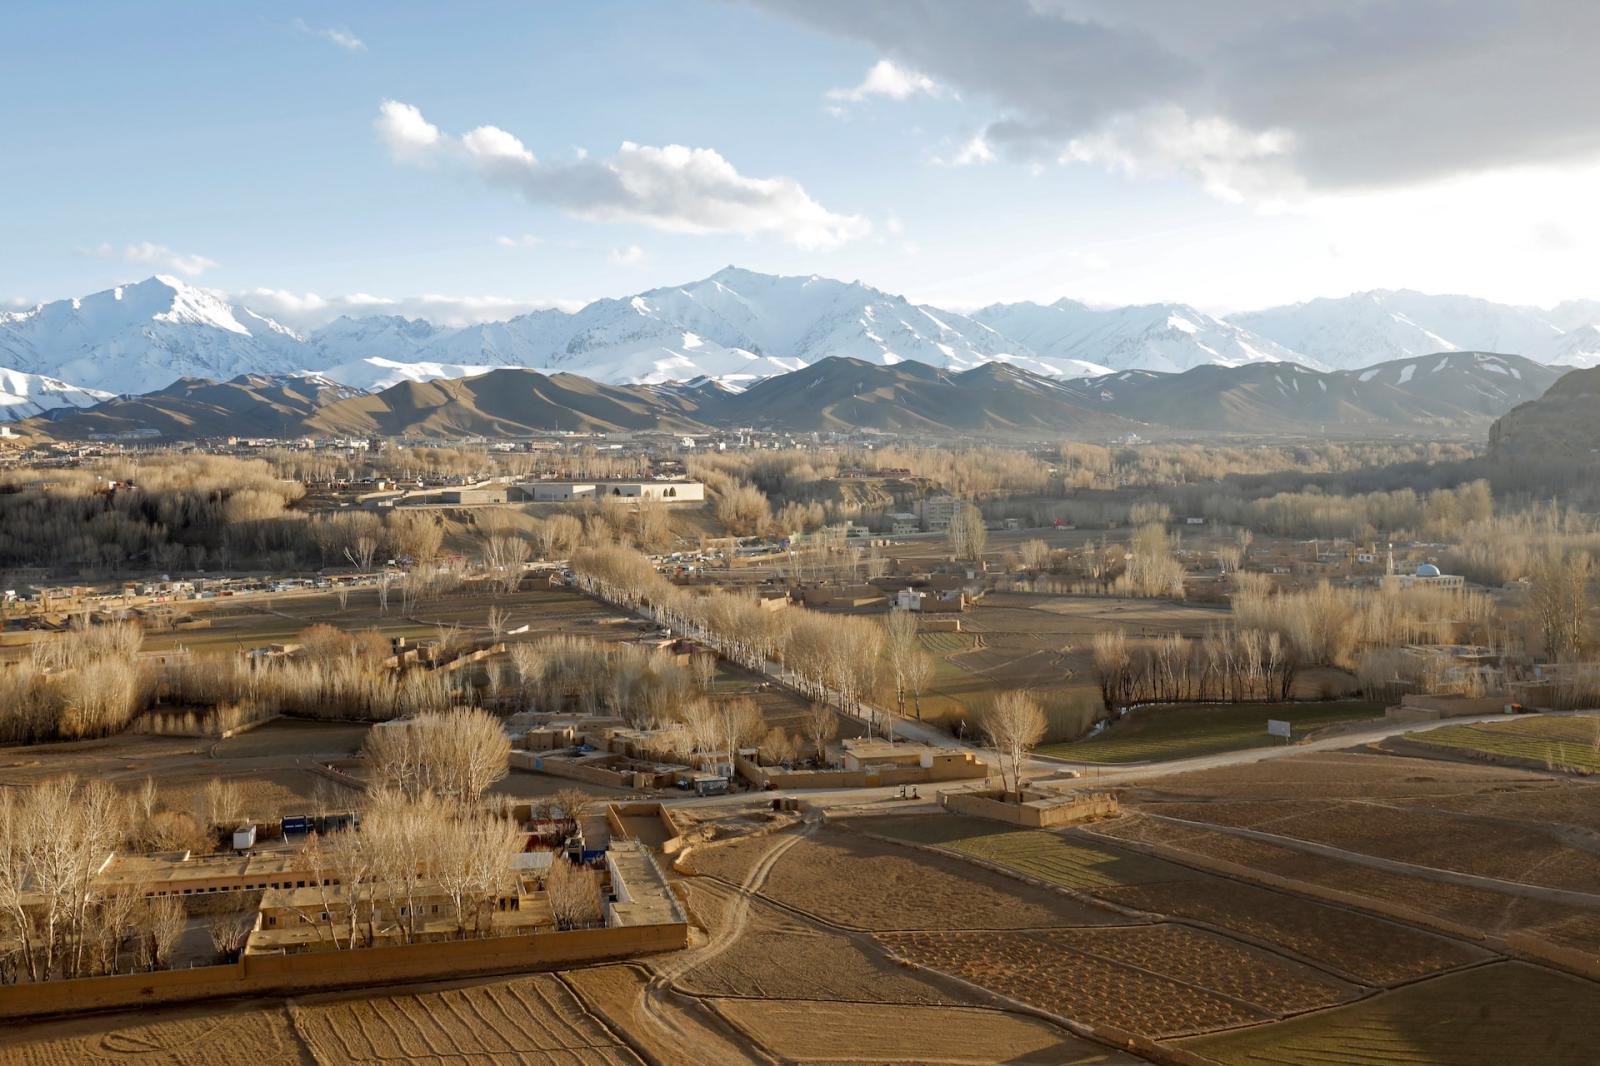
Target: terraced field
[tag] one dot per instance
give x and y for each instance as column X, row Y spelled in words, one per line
column 1179, row 731
column 196, row 1036
column 1050, row 857
column 1487, row 1016
column 1570, row 744
column 528, row 1020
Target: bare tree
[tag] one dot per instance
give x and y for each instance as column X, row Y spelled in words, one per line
column 1558, row 597
column 703, row 664
column 1014, row 724
column 703, row 724
column 452, row 754
column 919, row 672
column 1035, row 554
column 574, row 894
column 498, row 621
column 900, row 645
column 967, row 534
column 575, row 804
column 362, row 551
column 822, row 725
column 740, row 724
column 164, row 922
column 230, row 932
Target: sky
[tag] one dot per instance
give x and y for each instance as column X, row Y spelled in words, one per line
column 471, row 161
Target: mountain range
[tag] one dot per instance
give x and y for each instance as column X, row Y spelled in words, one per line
column 1453, row 394
column 739, row 327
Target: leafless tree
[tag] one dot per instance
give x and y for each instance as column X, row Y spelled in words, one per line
column 704, row 666
column 164, row 922
column 574, row 894
column 967, row 534
column 1558, row 597
column 230, row 932
column 1014, row 724
column 575, row 804
column 919, row 672
column 498, row 621
column 454, row 754
column 821, row 725
column 361, row 552
column 900, row 645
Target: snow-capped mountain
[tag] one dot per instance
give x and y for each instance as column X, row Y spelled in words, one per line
column 376, row 373
column 738, row 327
column 134, row 338
column 25, row 395
column 1170, row 338
column 1578, row 348
column 1365, row 328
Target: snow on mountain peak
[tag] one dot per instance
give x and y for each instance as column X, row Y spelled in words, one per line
column 738, row 326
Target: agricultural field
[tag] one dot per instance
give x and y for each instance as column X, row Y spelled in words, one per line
column 952, row 692
column 1548, row 803
column 1070, row 862
column 1487, row 1016
column 670, row 1033
column 1205, row 960
column 1322, row 776
column 1178, row 731
column 237, row 625
column 1433, row 839
column 1404, row 895
column 1568, row 745
column 867, row 1032
column 1357, row 946
column 1039, row 642
column 268, row 764
column 856, row 882
column 1036, row 970
column 199, row 1036
column 780, row 958
column 264, row 794
column 530, row 1019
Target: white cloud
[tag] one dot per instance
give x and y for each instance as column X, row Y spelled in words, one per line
column 308, row 310
column 156, row 255
column 410, row 137
column 526, row 240
column 333, row 35
column 887, row 80
column 628, row 256
column 673, row 188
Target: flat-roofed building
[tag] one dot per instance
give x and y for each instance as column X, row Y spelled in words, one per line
column 666, row 491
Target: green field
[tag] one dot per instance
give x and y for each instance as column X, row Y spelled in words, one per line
column 1181, row 731
column 1556, row 743
column 1486, row 1016
column 1047, row 856
column 949, row 690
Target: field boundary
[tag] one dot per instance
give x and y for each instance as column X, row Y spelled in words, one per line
column 1250, row 875
column 1564, row 896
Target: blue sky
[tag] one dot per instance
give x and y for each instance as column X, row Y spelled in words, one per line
column 239, row 145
